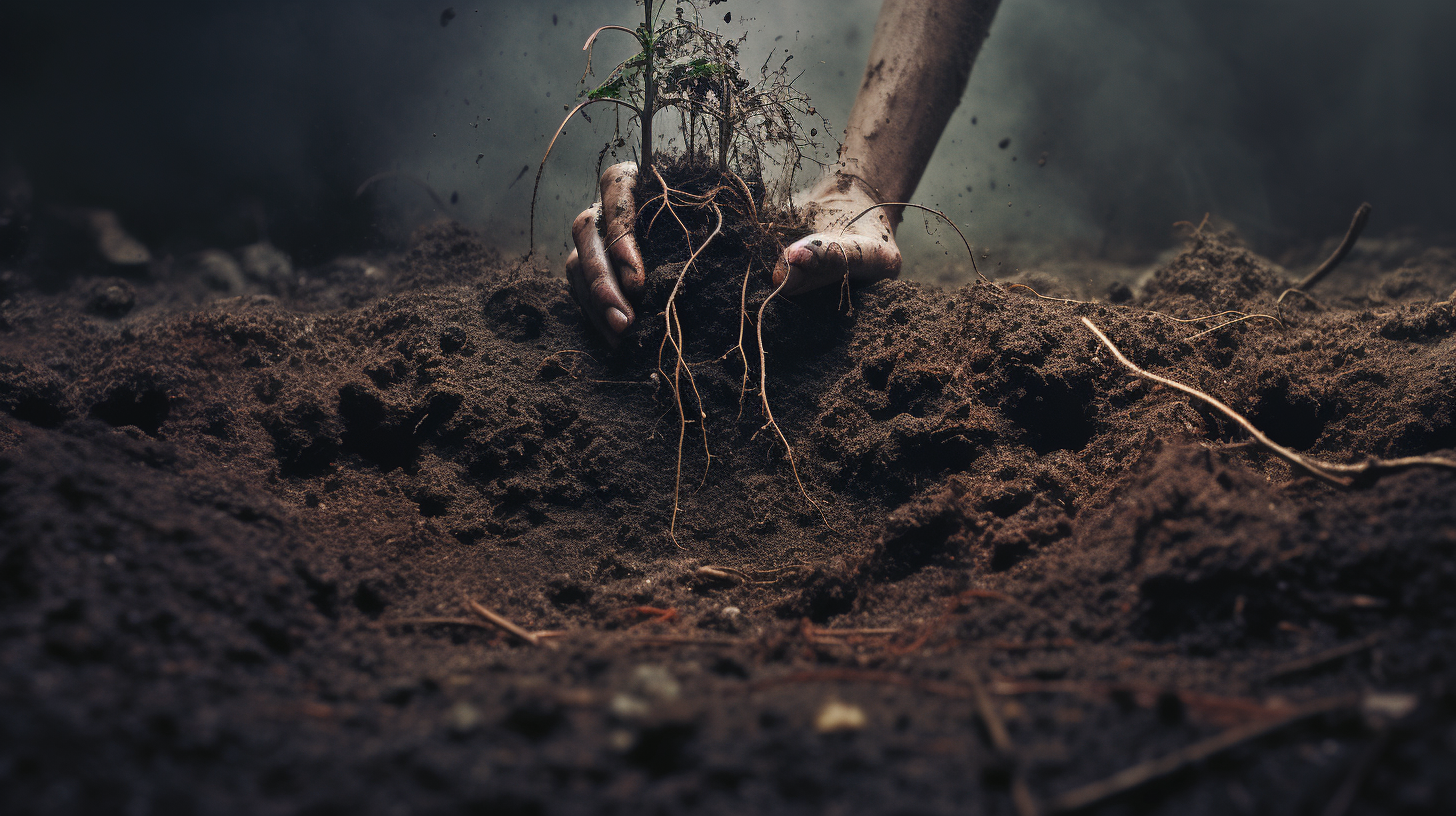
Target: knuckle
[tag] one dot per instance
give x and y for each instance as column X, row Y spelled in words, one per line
column 587, row 218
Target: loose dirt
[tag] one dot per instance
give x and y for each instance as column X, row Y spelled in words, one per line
column 237, row 537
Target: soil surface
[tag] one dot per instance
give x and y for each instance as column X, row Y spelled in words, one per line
column 243, row 511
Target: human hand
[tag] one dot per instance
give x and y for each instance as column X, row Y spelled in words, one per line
column 863, row 252
column 606, row 267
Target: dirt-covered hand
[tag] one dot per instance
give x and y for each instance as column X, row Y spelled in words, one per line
column 606, row 268
column 863, row 251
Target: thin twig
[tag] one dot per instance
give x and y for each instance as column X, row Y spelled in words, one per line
column 502, row 623
column 1357, row 225
column 1318, row 659
column 1341, row 475
column 433, row 622
column 1021, row 796
column 1152, row 770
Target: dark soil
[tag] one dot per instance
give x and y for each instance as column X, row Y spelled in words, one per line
column 217, row 513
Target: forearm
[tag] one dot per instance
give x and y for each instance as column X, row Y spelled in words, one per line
column 918, row 67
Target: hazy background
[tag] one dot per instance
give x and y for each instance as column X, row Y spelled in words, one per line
column 202, row 123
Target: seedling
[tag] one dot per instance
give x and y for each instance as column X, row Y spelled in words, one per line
column 684, row 66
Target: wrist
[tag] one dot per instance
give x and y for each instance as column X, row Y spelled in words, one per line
column 840, row 195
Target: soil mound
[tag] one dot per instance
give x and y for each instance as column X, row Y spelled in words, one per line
column 238, row 531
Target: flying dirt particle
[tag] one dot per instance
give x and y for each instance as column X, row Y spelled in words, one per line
column 478, row 157
column 553, row 19
column 446, row 16
column 813, row 131
column 728, row 18
column 973, row 120
column 1041, row 161
column 1004, row 143
column 454, row 196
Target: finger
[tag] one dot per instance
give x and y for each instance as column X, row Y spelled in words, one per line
column 619, row 211
column 821, row 259
column 593, row 281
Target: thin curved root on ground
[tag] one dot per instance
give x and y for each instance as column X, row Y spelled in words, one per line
column 1240, row 316
column 1357, row 226
column 768, row 411
column 1340, row 475
column 942, row 216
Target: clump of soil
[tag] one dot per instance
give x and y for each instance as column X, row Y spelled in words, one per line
column 237, row 535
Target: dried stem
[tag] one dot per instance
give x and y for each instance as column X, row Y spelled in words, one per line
column 1357, row 225
column 1145, row 772
column 502, row 623
column 536, row 188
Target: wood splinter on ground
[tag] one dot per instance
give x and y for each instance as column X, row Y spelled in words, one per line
column 502, row 623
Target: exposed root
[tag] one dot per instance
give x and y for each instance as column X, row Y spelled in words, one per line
column 768, row 411
column 1240, row 316
column 1040, row 296
column 674, row 335
column 1357, row 226
column 1022, row 798
column 1193, row 231
column 738, row 347
column 1279, row 304
column 938, row 213
column 1341, row 475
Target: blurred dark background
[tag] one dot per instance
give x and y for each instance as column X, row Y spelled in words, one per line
column 217, row 123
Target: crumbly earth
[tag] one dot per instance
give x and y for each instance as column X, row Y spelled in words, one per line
column 227, row 522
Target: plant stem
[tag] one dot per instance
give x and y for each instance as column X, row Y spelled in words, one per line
column 649, row 92
column 725, row 124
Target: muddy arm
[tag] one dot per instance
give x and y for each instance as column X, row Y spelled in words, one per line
column 918, row 67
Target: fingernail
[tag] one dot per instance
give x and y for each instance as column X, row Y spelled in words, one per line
column 799, row 255
column 618, row 320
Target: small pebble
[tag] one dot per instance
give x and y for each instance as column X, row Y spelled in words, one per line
column 838, row 716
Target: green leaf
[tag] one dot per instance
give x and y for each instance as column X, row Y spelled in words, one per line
column 703, row 68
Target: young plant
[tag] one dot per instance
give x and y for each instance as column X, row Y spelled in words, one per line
column 685, row 66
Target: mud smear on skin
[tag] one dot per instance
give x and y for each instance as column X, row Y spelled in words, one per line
column 211, row 511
